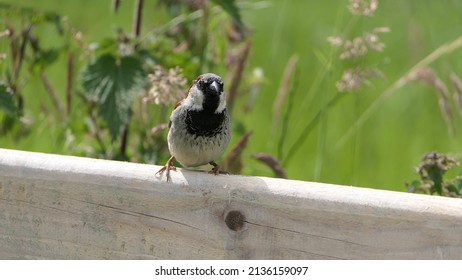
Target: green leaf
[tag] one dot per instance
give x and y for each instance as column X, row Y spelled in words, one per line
column 457, row 183
column 106, row 46
column 112, row 83
column 453, row 188
column 36, row 17
column 229, row 6
column 7, row 103
column 44, row 59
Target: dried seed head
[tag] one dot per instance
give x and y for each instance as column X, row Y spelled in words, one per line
column 158, row 128
column 272, row 163
column 429, row 77
column 167, row 86
column 363, row 7
column 359, row 46
column 458, row 93
column 233, row 161
column 6, row 32
column 435, row 162
column 335, row 41
column 350, row 81
column 353, row 78
column 383, row 29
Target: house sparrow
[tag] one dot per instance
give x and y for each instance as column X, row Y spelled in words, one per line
column 199, row 129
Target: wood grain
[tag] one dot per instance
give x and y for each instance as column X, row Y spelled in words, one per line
column 62, row 207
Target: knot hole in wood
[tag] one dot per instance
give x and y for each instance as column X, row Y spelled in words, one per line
column 235, row 220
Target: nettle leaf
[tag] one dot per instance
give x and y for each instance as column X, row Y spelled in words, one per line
column 229, row 6
column 112, row 83
column 7, row 103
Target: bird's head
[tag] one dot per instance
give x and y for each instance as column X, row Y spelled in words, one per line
column 206, row 94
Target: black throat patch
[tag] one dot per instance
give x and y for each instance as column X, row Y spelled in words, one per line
column 204, row 123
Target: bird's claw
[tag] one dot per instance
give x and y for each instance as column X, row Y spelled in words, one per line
column 216, row 169
column 167, row 167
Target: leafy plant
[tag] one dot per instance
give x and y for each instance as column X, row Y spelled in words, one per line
column 7, row 102
column 27, row 60
column 109, row 96
column 112, row 83
column 431, row 171
column 128, row 81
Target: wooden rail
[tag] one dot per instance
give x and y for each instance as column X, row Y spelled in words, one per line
column 63, row 207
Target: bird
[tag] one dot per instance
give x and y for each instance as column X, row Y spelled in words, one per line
column 199, row 126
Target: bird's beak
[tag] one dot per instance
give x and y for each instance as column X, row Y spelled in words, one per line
column 215, row 87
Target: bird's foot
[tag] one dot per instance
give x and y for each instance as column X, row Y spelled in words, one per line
column 167, row 167
column 216, row 169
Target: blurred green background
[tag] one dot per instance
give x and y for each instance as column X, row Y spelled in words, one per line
column 382, row 153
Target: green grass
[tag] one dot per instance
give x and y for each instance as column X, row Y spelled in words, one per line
column 384, row 151
column 380, row 154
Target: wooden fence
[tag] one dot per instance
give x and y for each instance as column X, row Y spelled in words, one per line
column 63, row 207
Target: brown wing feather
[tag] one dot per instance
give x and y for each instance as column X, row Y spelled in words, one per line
column 181, row 101
column 187, row 92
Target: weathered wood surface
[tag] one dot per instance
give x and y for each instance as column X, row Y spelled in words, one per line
column 62, row 207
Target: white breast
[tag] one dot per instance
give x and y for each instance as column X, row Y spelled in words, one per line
column 195, row 151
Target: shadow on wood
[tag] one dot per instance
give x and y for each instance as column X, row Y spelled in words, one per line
column 62, row 207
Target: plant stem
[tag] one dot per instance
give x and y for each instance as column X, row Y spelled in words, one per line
column 22, row 50
column 52, row 94
column 69, row 81
column 203, row 39
column 34, row 43
column 237, row 75
column 115, row 5
column 308, row 128
column 96, row 132
column 291, row 73
column 136, row 28
column 17, row 59
column 124, row 141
